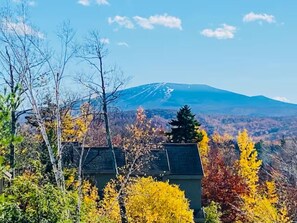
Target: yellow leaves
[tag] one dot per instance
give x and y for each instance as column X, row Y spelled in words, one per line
column 89, row 197
column 75, row 128
column 249, row 164
column 140, row 139
column 203, row 144
column 258, row 207
column 109, row 205
column 262, row 210
column 89, row 209
column 204, row 147
column 90, row 192
column 70, row 181
column 271, row 192
column 283, row 215
column 220, row 139
column 150, row 201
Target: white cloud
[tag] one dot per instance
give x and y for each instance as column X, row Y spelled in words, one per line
column 143, row 22
column 224, row 32
column 20, row 28
column 102, row 2
column 84, row 2
column 161, row 20
column 252, row 17
column 147, row 23
column 88, row 2
column 121, row 21
column 104, row 41
column 123, row 44
column 282, row 99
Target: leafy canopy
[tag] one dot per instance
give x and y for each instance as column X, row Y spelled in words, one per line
column 149, row 201
column 212, row 213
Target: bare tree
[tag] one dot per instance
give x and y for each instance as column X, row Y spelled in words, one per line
column 68, row 50
column 284, row 170
column 103, row 82
column 35, row 64
column 87, row 118
column 12, row 76
column 141, row 138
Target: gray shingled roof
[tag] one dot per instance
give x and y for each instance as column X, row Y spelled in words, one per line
column 100, row 160
column 184, row 159
column 175, row 159
column 158, row 163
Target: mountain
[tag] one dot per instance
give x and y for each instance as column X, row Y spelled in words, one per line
column 203, row 99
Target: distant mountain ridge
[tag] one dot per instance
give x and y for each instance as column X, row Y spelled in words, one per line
column 203, row 99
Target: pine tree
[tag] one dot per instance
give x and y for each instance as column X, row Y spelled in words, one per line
column 184, row 128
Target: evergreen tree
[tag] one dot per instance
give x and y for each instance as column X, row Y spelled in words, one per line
column 184, row 129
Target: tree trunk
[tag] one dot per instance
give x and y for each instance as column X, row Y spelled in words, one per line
column 108, row 137
column 105, row 114
column 11, row 144
column 13, row 117
column 80, row 182
column 59, row 135
column 45, row 138
column 121, row 199
column 123, row 211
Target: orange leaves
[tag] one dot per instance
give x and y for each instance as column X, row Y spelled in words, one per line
column 235, row 184
column 223, row 185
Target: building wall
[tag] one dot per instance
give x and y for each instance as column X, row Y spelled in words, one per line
column 101, row 180
column 192, row 188
column 191, row 185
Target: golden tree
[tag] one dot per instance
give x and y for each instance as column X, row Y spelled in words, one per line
column 150, row 201
column 249, row 164
column 258, row 206
column 204, row 147
column 140, row 139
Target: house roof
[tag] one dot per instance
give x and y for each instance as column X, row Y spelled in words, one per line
column 184, row 159
column 174, row 159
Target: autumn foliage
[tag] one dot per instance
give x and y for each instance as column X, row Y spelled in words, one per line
column 223, row 185
column 232, row 180
column 149, row 201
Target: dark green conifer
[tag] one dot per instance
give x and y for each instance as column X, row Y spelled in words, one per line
column 185, row 128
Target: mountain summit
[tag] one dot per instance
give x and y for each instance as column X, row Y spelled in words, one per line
column 203, row 99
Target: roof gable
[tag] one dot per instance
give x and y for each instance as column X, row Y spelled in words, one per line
column 174, row 159
column 184, row 159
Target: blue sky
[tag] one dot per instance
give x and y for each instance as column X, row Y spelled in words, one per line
column 246, row 46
